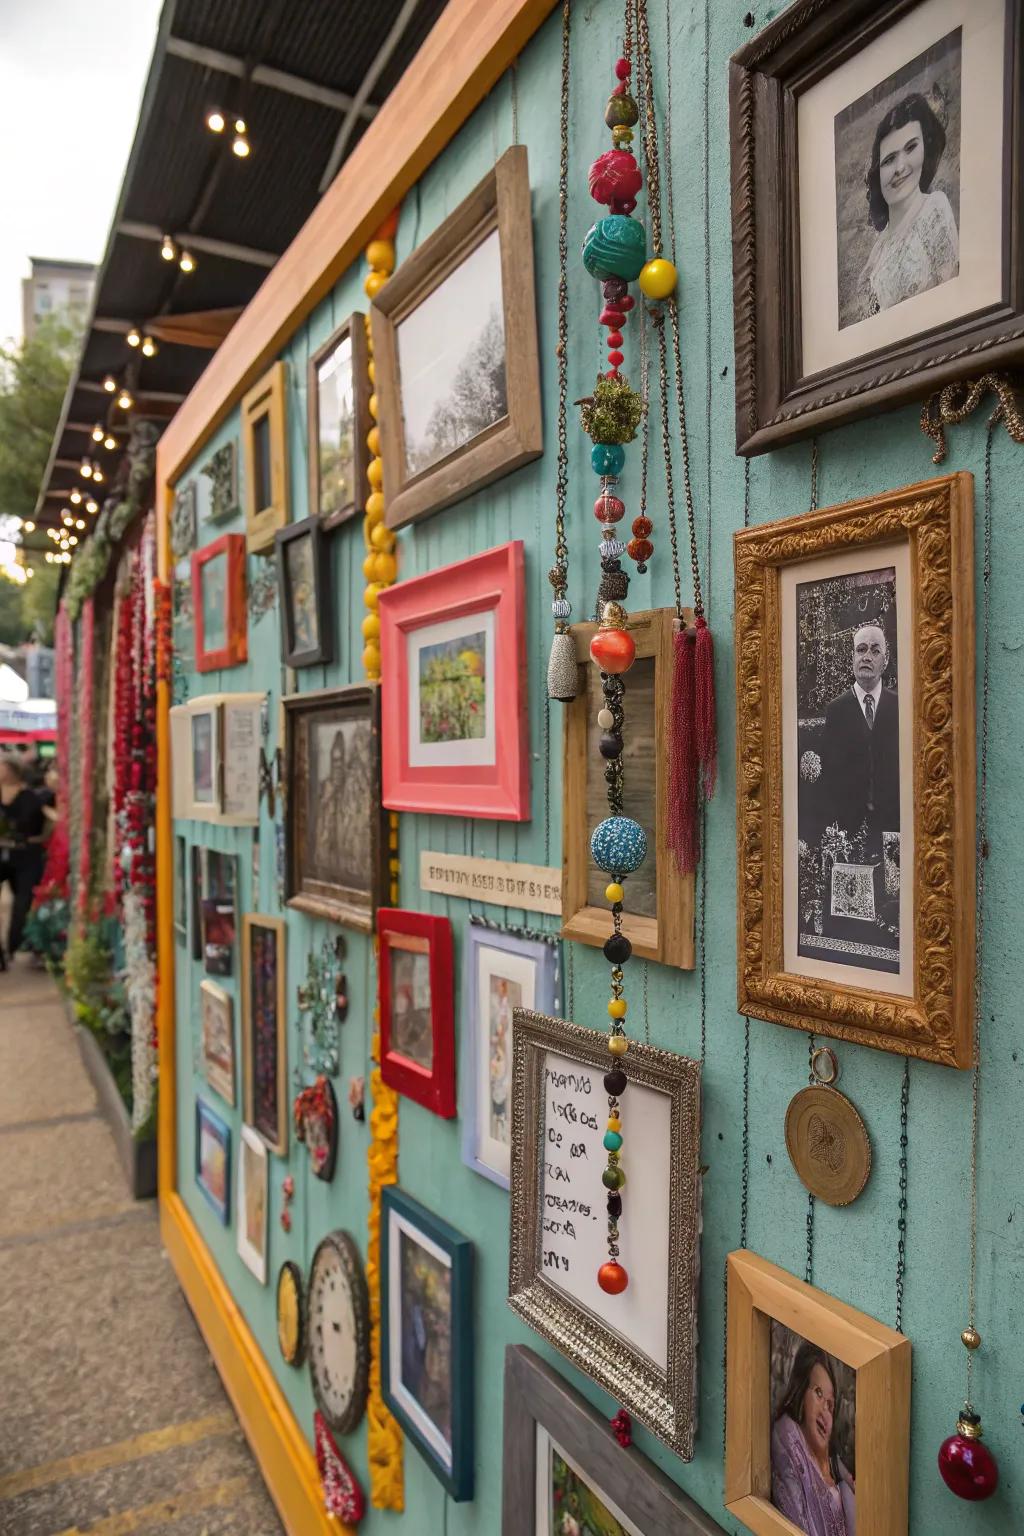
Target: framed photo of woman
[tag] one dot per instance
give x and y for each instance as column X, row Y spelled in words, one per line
column 876, row 210
column 856, row 782
column 337, row 398
column 818, row 1410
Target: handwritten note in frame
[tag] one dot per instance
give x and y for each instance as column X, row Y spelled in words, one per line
column 641, row 1345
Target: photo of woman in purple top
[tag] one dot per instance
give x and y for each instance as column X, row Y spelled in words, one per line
column 810, row 1484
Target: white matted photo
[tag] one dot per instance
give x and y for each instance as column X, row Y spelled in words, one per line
column 253, row 1195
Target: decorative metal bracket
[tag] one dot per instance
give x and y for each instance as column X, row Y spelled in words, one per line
column 952, row 405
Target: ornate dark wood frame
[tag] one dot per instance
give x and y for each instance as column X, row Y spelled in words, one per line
column 936, row 519
column 323, row 598
column 774, row 402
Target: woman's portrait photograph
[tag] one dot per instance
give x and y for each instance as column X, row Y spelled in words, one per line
column 813, row 1436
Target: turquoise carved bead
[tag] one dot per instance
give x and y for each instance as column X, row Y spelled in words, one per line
column 615, row 246
column 618, row 845
column 607, row 458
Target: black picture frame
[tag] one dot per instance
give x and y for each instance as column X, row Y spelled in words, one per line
column 196, row 903
column 296, row 650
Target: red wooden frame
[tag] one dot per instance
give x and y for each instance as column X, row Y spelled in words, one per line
column 433, row 1088
column 492, row 582
column 236, row 648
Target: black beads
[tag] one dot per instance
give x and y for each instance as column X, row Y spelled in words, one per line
column 615, row 1205
column 615, row 1082
column 614, row 288
column 610, row 744
column 617, row 949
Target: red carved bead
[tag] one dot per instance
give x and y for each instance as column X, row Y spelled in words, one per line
column 615, row 358
column 612, row 317
column 615, row 338
column 642, row 526
column 615, row 177
column 623, row 69
column 640, row 549
column 609, row 509
column 612, row 1278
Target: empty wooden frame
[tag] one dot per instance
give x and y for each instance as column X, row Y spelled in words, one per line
column 266, row 460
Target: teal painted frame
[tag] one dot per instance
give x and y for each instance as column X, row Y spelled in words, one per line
column 459, row 1249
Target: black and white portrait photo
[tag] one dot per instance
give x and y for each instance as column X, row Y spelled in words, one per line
column 897, row 168
column 848, row 792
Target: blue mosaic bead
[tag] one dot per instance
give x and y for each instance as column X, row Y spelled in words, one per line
column 561, row 608
column 607, row 458
column 618, row 845
column 616, row 246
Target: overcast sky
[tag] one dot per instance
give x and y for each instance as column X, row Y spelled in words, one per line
column 71, row 77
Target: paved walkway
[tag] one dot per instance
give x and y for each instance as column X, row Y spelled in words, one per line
column 113, row 1421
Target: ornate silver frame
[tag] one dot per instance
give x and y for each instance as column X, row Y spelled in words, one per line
column 663, row 1400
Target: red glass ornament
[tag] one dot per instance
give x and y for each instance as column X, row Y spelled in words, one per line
column 640, row 549
column 615, row 358
column 611, row 316
column 613, row 650
column 615, row 177
column 612, row 1278
column 609, row 509
column 623, row 69
column 966, row 1466
column 642, row 527
column 615, row 338
column 626, row 302
column 613, row 373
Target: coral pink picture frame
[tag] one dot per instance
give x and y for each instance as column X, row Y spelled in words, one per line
column 486, row 778
column 431, row 1079
column 235, row 649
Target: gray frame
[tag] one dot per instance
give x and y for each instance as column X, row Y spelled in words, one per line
column 536, row 1394
column 663, row 1400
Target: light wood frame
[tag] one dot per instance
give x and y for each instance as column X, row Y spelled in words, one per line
column 758, row 1292
column 250, row 920
column 502, row 202
column 936, row 519
column 667, row 937
column 355, row 329
column 266, row 401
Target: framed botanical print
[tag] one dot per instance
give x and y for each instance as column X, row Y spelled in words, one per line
column 221, row 618
column 641, row 1343
column 454, row 721
column 307, row 612
column 564, row 1470
column 213, row 1160
column 427, row 1336
column 856, row 780
column 417, row 1023
column 219, row 911
column 659, row 915
column 878, row 213
column 264, row 1029
column 812, row 1384
column 336, row 859
column 265, row 453
column 337, row 399
column 455, row 349
column 253, row 1201
column 501, row 972
column 217, row 1013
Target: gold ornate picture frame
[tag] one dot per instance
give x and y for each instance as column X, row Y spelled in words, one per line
column 849, row 925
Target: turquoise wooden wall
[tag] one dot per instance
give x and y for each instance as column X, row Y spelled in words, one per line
column 855, row 1252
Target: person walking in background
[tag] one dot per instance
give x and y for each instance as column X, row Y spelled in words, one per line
column 23, row 830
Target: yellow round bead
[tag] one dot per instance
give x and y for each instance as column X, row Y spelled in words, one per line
column 381, row 254
column 613, row 892
column 375, row 506
column 373, row 282
column 382, row 538
column 371, row 626
column 372, row 592
column 614, row 1123
column 373, row 440
column 657, row 278
column 371, row 657
column 618, row 1045
column 371, row 374
column 375, row 473
column 393, row 866
column 369, row 566
column 385, row 569
column 617, row 1007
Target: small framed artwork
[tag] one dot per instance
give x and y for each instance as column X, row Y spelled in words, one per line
column 877, row 208
column 217, row 1012
column 818, row 1415
column 204, row 740
column 640, row 1344
column 183, row 520
column 213, row 1159
column 659, row 915
column 501, row 972
column 241, row 735
column 563, row 1469
column 427, row 1336
column 219, row 905
column 336, row 840
column 221, row 618
column 307, row 612
column 221, row 470
column 195, row 900
column 264, row 1029
column 264, row 449
column 855, row 795
column 417, row 1015
column 455, row 348
column 453, row 689
column 339, row 420
column 180, row 889
column 253, row 1194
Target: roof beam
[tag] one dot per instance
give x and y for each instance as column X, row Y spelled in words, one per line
column 203, row 328
column 191, row 242
column 369, row 80
column 91, row 387
column 274, row 79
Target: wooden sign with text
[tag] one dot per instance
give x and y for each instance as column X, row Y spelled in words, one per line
column 502, row 882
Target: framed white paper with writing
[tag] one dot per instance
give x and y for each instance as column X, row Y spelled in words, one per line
column 641, row 1344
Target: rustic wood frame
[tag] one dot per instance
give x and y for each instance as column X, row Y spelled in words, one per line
column 936, row 1022
column 668, row 937
column 341, row 906
column 322, row 653
column 355, row 329
column 775, row 403
column 251, row 920
column 536, row 1394
column 266, row 399
column 502, row 202
column 433, row 1087
column 235, row 649
column 758, row 1292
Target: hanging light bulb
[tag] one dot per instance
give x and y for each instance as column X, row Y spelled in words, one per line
column 97, row 474
column 48, row 557
column 168, row 250
column 66, row 558
column 75, row 496
column 67, row 520
column 187, row 262
column 29, row 571
column 125, row 401
column 110, row 441
column 28, row 527
column 215, row 121
column 85, row 469
column 110, row 383
column 79, row 523
column 73, row 539
column 92, row 506
column 97, row 433
column 149, row 347
column 133, row 338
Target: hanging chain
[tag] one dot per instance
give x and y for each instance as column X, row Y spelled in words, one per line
column 814, row 474
column 745, row 1161
column 809, row 1262
column 560, row 570
column 570, row 985
column 901, row 1245
column 647, row 1018
column 514, row 92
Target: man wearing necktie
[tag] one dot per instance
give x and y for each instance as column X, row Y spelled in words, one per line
column 860, row 757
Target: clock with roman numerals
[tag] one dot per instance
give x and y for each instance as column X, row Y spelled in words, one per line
column 338, row 1331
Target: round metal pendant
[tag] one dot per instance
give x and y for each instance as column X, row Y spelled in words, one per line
column 828, row 1144
column 291, row 1322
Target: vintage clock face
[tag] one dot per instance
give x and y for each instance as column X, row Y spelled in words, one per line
column 339, row 1332
column 290, row 1320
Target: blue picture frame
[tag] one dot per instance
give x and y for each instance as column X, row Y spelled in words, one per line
column 486, row 1095
column 208, row 1120
column 427, row 1336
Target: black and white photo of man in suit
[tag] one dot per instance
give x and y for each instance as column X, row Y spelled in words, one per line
column 860, row 756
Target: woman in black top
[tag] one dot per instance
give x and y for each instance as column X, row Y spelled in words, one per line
column 23, row 824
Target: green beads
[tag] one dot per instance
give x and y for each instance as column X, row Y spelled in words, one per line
column 613, row 1178
column 615, row 246
column 621, row 111
column 612, row 1141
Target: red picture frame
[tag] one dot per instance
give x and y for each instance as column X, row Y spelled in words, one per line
column 235, row 649
column 417, row 1054
column 458, row 636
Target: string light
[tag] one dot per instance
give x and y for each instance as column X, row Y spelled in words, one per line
column 110, row 383
column 73, row 539
column 79, row 523
column 97, row 433
column 75, row 496
column 168, row 249
column 28, row 527
column 133, row 338
column 92, row 506
column 110, row 441
column 68, row 520
column 149, row 347
column 187, row 262
column 30, row 571
column 215, row 121
column 125, row 401
column 240, row 125
column 241, row 146
column 85, row 469
column 97, row 473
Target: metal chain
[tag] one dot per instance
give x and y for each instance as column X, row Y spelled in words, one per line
column 546, row 761
column 514, row 92
column 814, row 474
column 809, row 1262
column 901, row 1244
column 560, row 570
column 647, row 1019
column 570, row 986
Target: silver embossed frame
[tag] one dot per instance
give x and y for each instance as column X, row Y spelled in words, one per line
column 664, row 1400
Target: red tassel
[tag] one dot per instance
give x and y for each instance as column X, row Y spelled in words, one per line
column 706, row 731
column 622, row 1428
column 683, row 831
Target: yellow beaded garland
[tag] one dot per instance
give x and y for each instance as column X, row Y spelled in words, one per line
column 375, row 473
column 382, row 538
column 381, row 255
column 373, row 440
column 385, row 569
column 373, row 282
column 375, row 506
column 371, row 626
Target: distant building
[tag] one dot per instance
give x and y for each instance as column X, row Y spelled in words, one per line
column 55, row 286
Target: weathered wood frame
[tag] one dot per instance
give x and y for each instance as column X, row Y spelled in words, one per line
column 251, row 920
column 266, row 399
column 667, row 937
column 502, row 202
column 355, row 329
column 323, row 595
